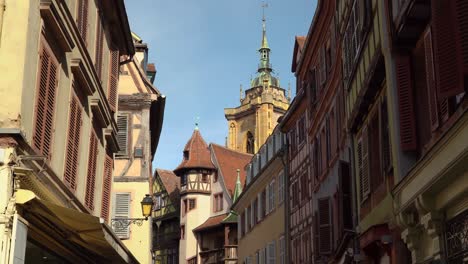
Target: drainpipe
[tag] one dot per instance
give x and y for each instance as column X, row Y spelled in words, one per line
column 2, row 10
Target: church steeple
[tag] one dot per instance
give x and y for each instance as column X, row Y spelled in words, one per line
column 264, row 48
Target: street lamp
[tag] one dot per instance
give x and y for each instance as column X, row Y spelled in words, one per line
column 119, row 224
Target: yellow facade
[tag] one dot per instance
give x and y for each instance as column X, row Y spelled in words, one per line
column 133, row 175
column 33, row 33
column 267, row 233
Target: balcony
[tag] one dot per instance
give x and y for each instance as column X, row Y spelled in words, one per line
column 410, row 18
column 219, row 255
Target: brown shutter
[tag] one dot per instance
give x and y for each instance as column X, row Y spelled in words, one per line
column 106, row 187
column 430, row 80
column 113, row 79
column 82, row 18
column 91, row 177
column 45, row 101
column 443, row 110
column 462, row 26
column 325, row 227
column 73, row 144
column 447, row 49
column 363, row 164
column 122, row 134
column 406, row 103
column 345, row 184
column 99, row 46
column 316, row 234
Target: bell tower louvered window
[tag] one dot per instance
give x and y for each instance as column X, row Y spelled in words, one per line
column 45, row 101
column 122, row 210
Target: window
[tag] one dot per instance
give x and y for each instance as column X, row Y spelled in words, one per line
column 91, row 176
column 122, row 210
column 325, row 228
column 192, row 204
column 184, row 207
column 205, row 178
column 218, row 202
column 122, row 134
column 271, row 253
column 304, row 185
column 48, row 74
column 282, row 253
column 301, row 130
column 73, row 143
column 292, row 140
column 183, row 180
column 253, row 215
column 280, row 187
column 328, row 139
column 255, row 211
column 182, row 232
column 157, row 202
column 271, row 198
column 295, row 194
column 250, row 144
column 351, row 40
column 264, row 203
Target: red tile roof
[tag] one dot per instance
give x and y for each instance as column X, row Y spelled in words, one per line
column 171, row 183
column 198, row 154
column 228, row 161
column 211, row 222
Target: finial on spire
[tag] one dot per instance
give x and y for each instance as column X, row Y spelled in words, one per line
column 264, row 39
column 197, row 122
column 240, row 92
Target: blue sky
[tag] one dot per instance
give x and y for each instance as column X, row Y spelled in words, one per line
column 203, row 51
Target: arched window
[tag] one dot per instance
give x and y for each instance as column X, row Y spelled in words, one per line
column 250, row 143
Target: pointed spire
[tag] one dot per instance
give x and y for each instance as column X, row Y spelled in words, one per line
column 238, row 189
column 264, row 48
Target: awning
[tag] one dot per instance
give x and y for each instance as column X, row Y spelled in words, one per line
column 88, row 231
column 210, row 223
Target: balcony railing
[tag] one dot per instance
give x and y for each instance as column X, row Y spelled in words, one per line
column 230, row 252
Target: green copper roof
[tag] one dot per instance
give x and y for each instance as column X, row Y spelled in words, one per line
column 232, row 216
column 264, row 37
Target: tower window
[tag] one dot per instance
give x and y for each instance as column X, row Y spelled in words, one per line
column 205, row 178
column 250, row 143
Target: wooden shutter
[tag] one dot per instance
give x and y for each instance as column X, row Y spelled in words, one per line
column 122, row 134
column 45, row 101
column 363, row 164
column 325, row 227
column 82, row 18
column 106, row 186
column 461, row 11
column 113, row 79
column 99, row 47
column 443, row 113
column 406, row 103
column 430, row 81
column 316, row 234
column 91, row 177
column 122, row 210
column 73, row 144
column 447, row 48
column 346, row 206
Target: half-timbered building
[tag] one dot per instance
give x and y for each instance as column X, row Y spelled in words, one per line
column 208, row 176
column 166, row 213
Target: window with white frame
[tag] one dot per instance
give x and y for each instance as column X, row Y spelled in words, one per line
column 282, row 255
column 271, row 253
column 281, row 187
column 271, row 196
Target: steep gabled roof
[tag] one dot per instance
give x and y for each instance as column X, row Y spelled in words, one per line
column 211, row 222
column 171, row 183
column 228, row 162
column 196, row 154
column 298, row 46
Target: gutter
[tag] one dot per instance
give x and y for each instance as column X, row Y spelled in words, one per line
column 2, row 11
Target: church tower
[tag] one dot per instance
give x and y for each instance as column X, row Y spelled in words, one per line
column 251, row 123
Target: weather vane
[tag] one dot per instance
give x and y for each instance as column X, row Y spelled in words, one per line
column 264, row 5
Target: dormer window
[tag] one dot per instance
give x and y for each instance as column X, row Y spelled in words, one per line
column 186, row 155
